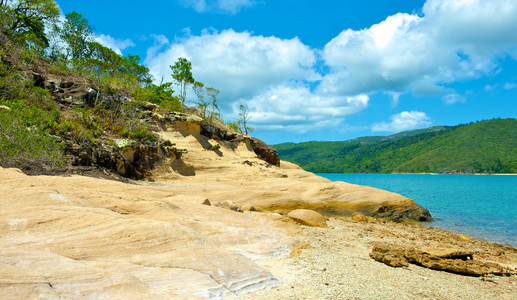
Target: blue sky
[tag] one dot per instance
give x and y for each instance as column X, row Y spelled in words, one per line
column 328, row 70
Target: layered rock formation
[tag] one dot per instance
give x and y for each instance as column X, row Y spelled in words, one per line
column 233, row 171
column 80, row 237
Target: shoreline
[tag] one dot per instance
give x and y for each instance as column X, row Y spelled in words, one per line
column 335, row 264
column 453, row 230
column 502, row 233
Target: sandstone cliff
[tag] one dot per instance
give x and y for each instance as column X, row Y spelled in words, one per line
column 223, row 169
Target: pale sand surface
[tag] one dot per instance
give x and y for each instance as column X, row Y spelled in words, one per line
column 338, row 266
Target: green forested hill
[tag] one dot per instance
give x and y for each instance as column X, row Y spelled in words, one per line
column 482, row 147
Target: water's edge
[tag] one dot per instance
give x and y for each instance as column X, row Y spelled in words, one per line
column 481, row 206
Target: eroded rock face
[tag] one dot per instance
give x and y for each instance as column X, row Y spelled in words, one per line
column 457, row 261
column 266, row 152
column 133, row 160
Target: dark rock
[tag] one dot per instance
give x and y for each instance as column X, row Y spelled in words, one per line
column 217, row 133
column 66, row 84
column 212, row 132
column 265, row 152
column 39, row 80
column 398, row 213
column 133, row 160
column 228, row 135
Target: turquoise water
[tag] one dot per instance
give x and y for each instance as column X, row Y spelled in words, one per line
column 482, row 206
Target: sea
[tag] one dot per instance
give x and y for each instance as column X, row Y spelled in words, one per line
column 481, row 206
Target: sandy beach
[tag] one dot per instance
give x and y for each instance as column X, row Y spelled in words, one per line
column 337, row 265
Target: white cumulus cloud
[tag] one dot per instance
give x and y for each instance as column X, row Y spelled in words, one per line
column 116, row 45
column 452, row 40
column 296, row 108
column 277, row 78
column 406, row 120
column 239, row 64
column 221, row 6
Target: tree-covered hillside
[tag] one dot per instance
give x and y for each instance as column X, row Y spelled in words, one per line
column 65, row 98
column 482, row 147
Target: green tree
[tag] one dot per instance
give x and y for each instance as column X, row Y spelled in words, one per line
column 56, row 50
column 132, row 69
column 212, row 94
column 202, row 103
column 101, row 63
column 78, row 35
column 244, row 118
column 182, row 74
column 233, row 125
column 161, row 94
column 24, row 20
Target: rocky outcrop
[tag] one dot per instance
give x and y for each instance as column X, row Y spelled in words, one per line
column 128, row 158
column 266, row 152
column 66, row 90
column 75, row 91
column 452, row 260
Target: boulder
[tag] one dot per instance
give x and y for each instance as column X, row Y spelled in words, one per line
column 215, row 147
column 150, row 106
column 308, row 217
column 408, row 212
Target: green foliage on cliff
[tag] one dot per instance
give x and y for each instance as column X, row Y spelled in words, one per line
column 482, row 147
column 27, row 116
column 51, row 69
column 33, row 126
